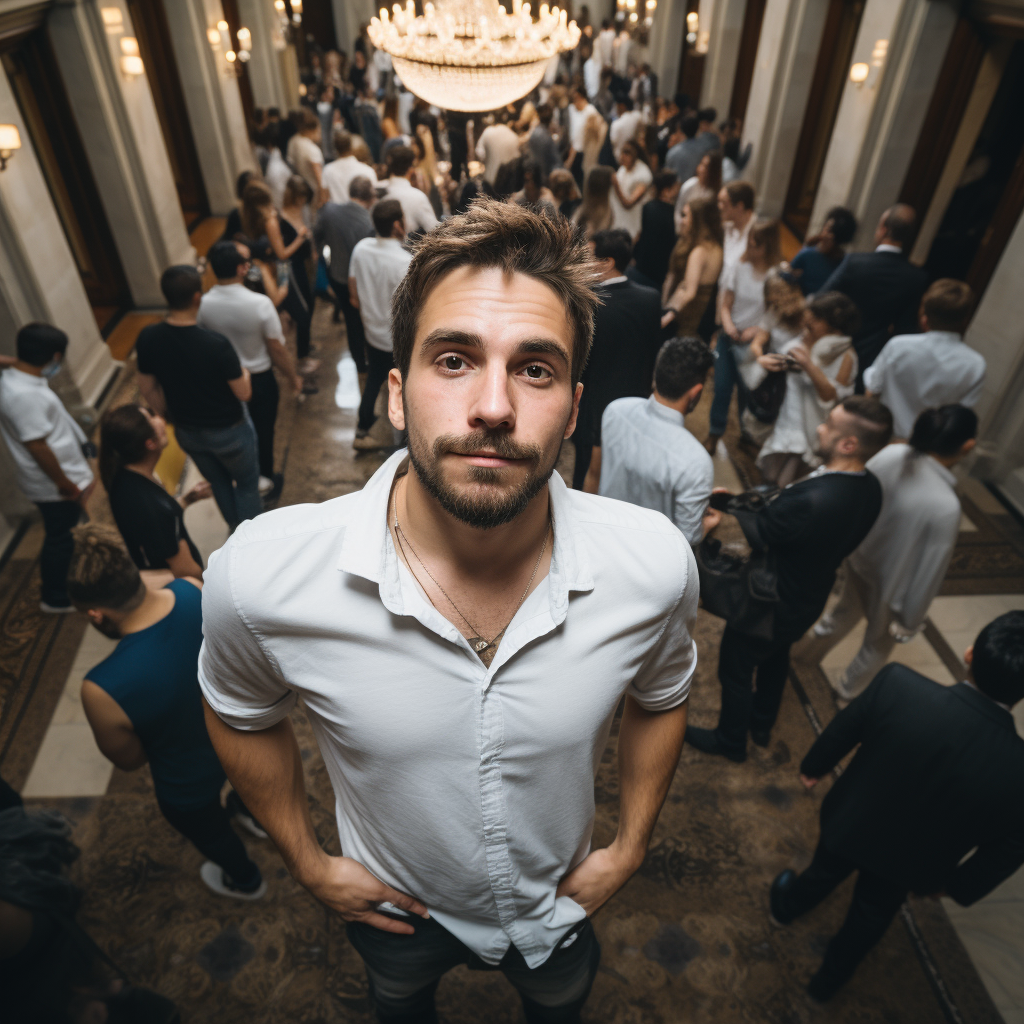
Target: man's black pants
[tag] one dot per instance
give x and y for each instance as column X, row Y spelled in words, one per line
column 353, row 325
column 208, row 829
column 378, row 366
column 59, row 519
column 875, row 902
column 263, row 412
column 746, row 707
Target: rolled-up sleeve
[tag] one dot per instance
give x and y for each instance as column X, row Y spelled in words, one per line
column 239, row 677
column 663, row 681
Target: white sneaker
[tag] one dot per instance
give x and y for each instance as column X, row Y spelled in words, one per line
column 266, row 485
column 250, row 826
column 56, row 609
column 213, row 875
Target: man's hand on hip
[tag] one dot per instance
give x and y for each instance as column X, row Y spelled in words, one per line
column 597, row 878
column 351, row 891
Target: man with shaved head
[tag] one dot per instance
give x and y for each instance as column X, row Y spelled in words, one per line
column 886, row 286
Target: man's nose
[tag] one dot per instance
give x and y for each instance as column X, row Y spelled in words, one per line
column 492, row 405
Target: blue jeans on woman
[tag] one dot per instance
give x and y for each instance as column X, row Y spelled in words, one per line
column 727, row 377
column 228, row 458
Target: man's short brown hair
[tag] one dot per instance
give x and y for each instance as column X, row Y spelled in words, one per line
column 872, row 423
column 948, row 305
column 515, row 240
column 741, row 192
column 102, row 574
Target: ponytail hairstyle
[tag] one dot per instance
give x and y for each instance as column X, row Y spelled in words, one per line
column 944, row 432
column 124, row 432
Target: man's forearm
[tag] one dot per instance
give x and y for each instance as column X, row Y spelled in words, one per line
column 48, row 463
column 649, row 746
column 266, row 769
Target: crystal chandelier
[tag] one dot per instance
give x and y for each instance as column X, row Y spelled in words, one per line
column 472, row 55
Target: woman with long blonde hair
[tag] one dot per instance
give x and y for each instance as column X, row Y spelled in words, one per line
column 595, row 212
column 693, row 268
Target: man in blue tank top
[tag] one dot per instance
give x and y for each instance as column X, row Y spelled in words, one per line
column 143, row 703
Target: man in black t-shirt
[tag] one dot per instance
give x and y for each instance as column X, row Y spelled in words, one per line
column 193, row 377
column 657, row 233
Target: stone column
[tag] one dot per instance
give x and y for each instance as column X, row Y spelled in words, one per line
column 667, row 39
column 786, row 57
column 726, row 31
column 117, row 120
column 39, row 278
column 904, row 42
column 211, row 98
column 265, row 76
column 349, row 15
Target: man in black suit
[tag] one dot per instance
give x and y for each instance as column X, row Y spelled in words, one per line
column 627, row 336
column 886, row 287
column 939, row 773
column 810, row 527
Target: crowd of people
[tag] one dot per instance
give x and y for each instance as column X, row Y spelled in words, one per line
column 622, row 222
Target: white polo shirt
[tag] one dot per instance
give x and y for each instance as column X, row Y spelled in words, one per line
column 340, row 173
column 378, row 265
column 416, row 209
column 247, row 319
column 30, row 411
column 469, row 787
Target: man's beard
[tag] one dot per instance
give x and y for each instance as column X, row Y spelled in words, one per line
column 497, row 506
column 825, row 451
column 107, row 628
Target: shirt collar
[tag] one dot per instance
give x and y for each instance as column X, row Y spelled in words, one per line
column 885, row 247
column 400, row 183
column 954, row 336
column 27, row 379
column 613, row 280
column 946, row 474
column 367, row 549
column 663, row 412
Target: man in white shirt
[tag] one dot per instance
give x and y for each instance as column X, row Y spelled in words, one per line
column 604, row 45
column 49, row 452
column 305, row 154
column 375, row 270
column 914, row 372
column 250, row 322
column 462, row 751
column 579, row 111
column 625, row 127
column 340, row 173
column 647, row 456
column 416, row 209
column 497, row 145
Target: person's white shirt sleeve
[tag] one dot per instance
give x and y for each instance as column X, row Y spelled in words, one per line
column 239, row 678
column 727, row 282
column 663, row 681
column 875, row 374
column 689, row 504
column 272, row 328
column 426, row 219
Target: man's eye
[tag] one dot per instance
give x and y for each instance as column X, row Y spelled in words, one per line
column 537, row 372
column 453, row 362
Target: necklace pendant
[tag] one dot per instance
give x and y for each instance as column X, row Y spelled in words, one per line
column 479, row 645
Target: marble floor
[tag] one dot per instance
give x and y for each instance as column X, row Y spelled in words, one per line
column 314, row 449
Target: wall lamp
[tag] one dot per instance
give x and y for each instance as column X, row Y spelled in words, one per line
column 10, row 140
column 862, row 73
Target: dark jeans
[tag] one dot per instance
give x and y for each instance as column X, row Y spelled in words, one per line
column 263, row 412
column 208, row 829
column 295, row 306
column 404, row 970
column 353, row 326
column 744, row 707
column 875, row 902
column 727, row 377
column 378, row 366
column 59, row 519
column 577, row 170
column 227, row 457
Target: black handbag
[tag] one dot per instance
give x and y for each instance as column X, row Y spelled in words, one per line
column 743, row 591
column 765, row 401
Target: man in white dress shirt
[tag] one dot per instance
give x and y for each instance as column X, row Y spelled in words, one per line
column 892, row 577
column 648, row 457
column 419, row 214
column 580, row 111
column 340, row 173
column 497, row 145
column 462, row 750
column 915, row 372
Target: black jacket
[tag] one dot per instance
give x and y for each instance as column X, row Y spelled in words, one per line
column 811, row 527
column 627, row 335
column 887, row 289
column 940, row 771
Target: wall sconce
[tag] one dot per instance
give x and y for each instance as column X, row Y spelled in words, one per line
column 10, row 140
column 633, row 17
column 859, row 73
column 132, row 66
column 129, row 46
column 113, row 19
column 230, row 56
column 692, row 21
column 214, row 36
column 652, row 5
column 297, row 11
column 279, row 6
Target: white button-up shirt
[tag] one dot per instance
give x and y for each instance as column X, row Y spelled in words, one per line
column 470, row 787
column 416, row 209
column 906, row 554
column 340, row 173
column 914, row 372
column 649, row 458
column 247, row 319
column 378, row 266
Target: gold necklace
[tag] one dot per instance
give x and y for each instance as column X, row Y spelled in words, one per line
column 477, row 641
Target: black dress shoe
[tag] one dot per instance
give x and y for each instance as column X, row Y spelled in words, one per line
column 708, row 742
column 822, row 988
column 762, row 739
column 777, row 896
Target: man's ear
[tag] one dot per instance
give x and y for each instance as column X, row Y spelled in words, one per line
column 571, row 425
column 969, row 656
column 847, row 445
column 95, row 616
column 396, row 408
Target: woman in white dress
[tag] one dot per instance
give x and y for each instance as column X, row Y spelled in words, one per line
column 822, row 369
column 631, row 184
column 705, row 184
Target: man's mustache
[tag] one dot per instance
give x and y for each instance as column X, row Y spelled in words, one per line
column 490, row 441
